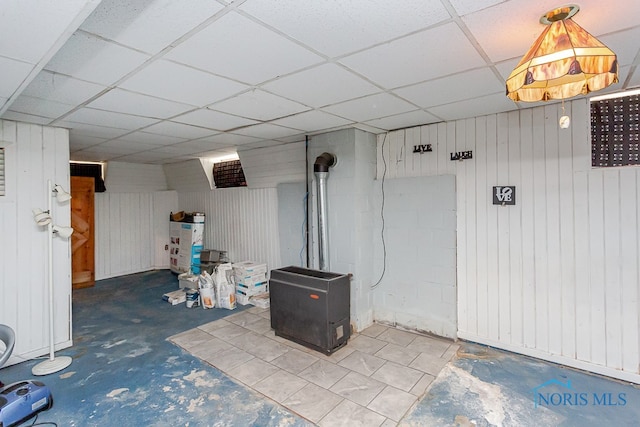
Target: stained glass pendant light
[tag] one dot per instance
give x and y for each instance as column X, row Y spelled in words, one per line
column 565, row 61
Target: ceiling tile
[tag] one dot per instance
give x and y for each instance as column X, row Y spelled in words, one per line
column 92, row 116
column 368, row 128
column 198, row 145
column 267, row 131
column 260, row 144
column 27, row 118
column 13, row 74
column 40, row 107
column 416, row 58
column 239, row 48
column 215, row 154
column 618, row 42
column 179, row 83
column 98, row 131
column 148, row 26
column 205, row 117
column 301, row 136
column 517, row 33
column 179, row 130
column 336, row 27
column 60, row 88
column 413, row 118
column 322, row 85
column 311, row 121
column 176, row 150
column 598, row 19
column 121, row 147
column 90, row 155
column 259, row 105
column 370, row 107
column 30, row 28
column 464, row 7
column 88, row 58
column 453, row 88
column 506, row 67
column 634, row 82
column 150, row 138
column 78, row 142
column 481, row 106
column 147, row 157
column 123, row 101
column 228, row 139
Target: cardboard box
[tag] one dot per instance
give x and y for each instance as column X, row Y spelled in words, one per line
column 187, row 280
column 241, row 298
column 249, row 268
column 175, row 297
column 261, row 300
column 252, row 290
column 251, row 280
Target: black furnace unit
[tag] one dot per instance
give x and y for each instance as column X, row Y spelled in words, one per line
column 311, row 307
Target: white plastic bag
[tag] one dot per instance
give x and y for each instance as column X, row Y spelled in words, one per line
column 225, row 286
column 206, row 286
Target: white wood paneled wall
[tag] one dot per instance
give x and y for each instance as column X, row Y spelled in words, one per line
column 556, row 276
column 34, row 154
column 189, row 175
column 122, row 177
column 124, row 235
column 268, row 167
column 131, row 231
column 242, row 221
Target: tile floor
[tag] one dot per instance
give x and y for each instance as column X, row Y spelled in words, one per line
column 373, row 381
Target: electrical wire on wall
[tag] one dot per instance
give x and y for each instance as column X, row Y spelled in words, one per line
column 384, row 246
column 305, row 199
column 304, row 228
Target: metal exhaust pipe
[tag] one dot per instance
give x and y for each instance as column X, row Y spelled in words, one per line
column 321, row 170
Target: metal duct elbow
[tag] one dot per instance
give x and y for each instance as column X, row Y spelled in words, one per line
column 321, row 170
column 323, row 162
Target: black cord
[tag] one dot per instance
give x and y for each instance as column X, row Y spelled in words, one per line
column 384, row 246
column 306, row 208
column 304, row 223
column 44, row 423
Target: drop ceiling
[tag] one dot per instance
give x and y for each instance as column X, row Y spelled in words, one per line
column 163, row 81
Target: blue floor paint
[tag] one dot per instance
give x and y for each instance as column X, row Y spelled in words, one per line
column 125, row 373
column 487, row 387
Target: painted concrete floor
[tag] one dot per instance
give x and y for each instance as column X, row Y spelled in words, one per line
column 125, row 372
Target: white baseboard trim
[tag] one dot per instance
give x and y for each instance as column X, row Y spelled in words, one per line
column 41, row 352
column 561, row 360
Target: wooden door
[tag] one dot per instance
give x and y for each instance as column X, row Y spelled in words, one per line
column 82, row 240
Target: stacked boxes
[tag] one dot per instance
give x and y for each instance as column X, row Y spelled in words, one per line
column 251, row 279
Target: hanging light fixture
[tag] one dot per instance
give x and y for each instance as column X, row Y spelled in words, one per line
column 565, row 61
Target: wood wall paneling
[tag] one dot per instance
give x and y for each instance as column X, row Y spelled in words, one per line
column 34, row 155
column 556, row 275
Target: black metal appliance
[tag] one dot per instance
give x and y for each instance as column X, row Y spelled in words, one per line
column 311, row 307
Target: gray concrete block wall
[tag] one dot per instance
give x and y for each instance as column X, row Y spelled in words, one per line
column 418, row 290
